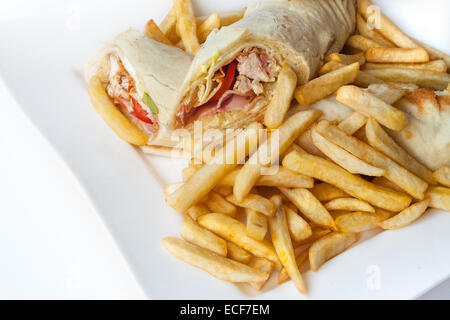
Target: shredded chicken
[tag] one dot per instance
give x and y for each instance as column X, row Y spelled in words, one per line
column 121, row 89
column 255, row 67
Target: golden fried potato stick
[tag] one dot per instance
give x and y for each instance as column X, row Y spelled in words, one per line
column 283, row 245
column 208, row 176
column 350, row 204
column 235, row 231
column 193, row 233
column 439, row 198
column 219, row 267
column 329, row 246
column 305, row 201
column 187, row 25
column 397, row 174
column 287, row 133
column 407, row 216
column 386, row 27
column 442, row 175
column 321, row 87
column 397, row 55
column 238, row 254
column 152, row 31
column 282, row 97
column 355, row 186
column 371, row 106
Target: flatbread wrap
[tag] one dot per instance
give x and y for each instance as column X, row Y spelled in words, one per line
column 133, row 85
column 233, row 75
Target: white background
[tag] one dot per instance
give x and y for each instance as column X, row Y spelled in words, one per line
column 52, row 243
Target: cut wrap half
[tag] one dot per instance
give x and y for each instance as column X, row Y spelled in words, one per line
column 133, row 85
column 233, row 76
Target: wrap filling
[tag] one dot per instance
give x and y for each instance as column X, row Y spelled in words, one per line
column 137, row 108
column 235, row 85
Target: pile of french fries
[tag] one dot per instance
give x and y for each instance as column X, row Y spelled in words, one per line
column 245, row 218
column 181, row 28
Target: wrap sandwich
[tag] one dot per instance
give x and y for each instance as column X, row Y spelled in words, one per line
column 133, row 85
column 233, row 75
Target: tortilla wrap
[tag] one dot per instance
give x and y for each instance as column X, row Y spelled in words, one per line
column 299, row 32
column 156, row 69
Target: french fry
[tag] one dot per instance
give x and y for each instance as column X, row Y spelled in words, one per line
column 171, row 188
column 380, row 140
column 216, row 265
column 283, row 245
column 422, row 78
column 382, row 181
column 282, row 97
column 263, row 265
column 442, row 175
column 325, row 85
column 364, row 79
column 346, row 58
column 169, row 26
column 226, row 18
column 238, row 254
column 235, row 231
column 197, row 210
column 216, row 203
column 298, row 228
column 193, row 233
column 282, row 178
column 331, row 65
column 328, row 247
column 359, row 221
column 188, row 172
column 224, row 191
column 350, row 204
column 305, row 201
column 152, row 31
column 406, row 217
column 343, row 158
column 371, row 106
column 205, row 28
column 287, row 133
column 439, row 198
column 436, row 66
column 406, row 180
column 353, row 185
column 299, row 259
column 325, row 192
column 361, row 43
column 317, row 233
column 353, row 123
column 254, row 202
column 256, row 224
column 435, row 52
column 397, row 55
column 208, row 176
column 372, row 34
column 386, row 27
column 187, row 25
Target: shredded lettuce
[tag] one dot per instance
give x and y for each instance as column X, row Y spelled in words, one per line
column 150, row 103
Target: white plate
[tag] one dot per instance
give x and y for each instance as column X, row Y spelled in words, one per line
column 41, row 62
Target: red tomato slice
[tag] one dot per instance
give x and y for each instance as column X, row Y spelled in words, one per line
column 227, row 82
column 139, row 112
